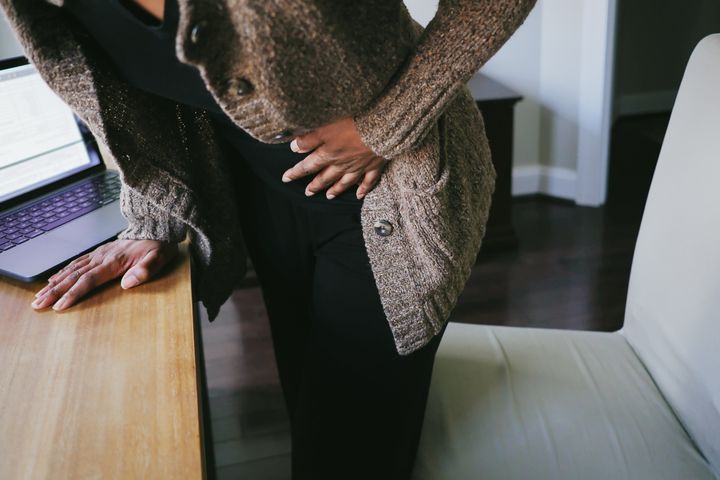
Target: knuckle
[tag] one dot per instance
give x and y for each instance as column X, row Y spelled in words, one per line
column 88, row 279
column 321, row 157
column 73, row 276
column 142, row 274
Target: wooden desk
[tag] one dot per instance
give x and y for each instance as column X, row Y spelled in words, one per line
column 107, row 389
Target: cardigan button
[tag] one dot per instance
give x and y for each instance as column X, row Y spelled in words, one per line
column 195, row 32
column 383, row 228
column 284, row 135
column 244, row 87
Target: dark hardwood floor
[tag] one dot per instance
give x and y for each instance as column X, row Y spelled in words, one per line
column 571, row 271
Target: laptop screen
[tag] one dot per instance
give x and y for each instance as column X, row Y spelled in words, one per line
column 41, row 140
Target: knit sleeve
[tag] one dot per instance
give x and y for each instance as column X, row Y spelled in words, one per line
column 463, row 35
column 147, row 221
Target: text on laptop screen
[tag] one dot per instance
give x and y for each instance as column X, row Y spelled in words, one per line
column 40, row 141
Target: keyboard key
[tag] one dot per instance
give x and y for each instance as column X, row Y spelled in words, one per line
column 6, row 246
column 34, row 233
column 20, row 240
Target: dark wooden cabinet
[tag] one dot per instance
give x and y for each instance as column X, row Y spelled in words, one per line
column 497, row 104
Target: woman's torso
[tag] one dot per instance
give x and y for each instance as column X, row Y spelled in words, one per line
column 142, row 49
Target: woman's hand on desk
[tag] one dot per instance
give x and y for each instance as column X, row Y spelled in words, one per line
column 136, row 260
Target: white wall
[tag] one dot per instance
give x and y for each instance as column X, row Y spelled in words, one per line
column 551, row 61
column 516, row 65
column 8, row 45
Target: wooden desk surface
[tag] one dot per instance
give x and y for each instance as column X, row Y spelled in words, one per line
column 107, row 389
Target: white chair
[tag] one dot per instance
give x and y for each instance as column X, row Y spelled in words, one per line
column 642, row 403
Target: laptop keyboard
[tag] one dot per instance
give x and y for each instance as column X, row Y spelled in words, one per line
column 50, row 213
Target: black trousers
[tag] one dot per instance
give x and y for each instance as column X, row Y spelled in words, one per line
column 356, row 406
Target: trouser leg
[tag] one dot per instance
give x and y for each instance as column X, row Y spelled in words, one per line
column 361, row 404
column 275, row 235
column 356, row 406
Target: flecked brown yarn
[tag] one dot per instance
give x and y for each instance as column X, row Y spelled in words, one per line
column 309, row 62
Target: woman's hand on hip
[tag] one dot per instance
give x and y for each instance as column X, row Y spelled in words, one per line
column 136, row 260
column 339, row 157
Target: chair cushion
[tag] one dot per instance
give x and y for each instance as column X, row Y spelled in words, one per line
column 520, row 403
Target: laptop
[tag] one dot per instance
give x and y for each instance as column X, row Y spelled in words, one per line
column 58, row 200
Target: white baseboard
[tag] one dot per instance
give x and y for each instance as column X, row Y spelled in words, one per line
column 553, row 181
column 642, row 103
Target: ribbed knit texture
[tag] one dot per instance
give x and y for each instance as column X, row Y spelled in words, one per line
column 310, row 62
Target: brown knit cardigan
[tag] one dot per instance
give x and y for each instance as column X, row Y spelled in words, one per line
column 306, row 63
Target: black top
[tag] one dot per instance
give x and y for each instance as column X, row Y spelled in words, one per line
column 142, row 49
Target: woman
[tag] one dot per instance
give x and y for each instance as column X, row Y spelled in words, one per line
column 228, row 119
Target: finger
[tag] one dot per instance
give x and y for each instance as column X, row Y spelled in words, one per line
column 142, row 271
column 369, row 182
column 324, row 179
column 343, row 184
column 62, row 274
column 306, row 143
column 89, row 280
column 59, row 289
column 313, row 163
column 82, row 260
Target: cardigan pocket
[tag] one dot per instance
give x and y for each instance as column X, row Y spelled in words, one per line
column 424, row 170
column 445, row 218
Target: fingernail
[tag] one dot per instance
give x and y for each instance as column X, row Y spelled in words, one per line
column 36, row 303
column 309, row 193
column 330, row 196
column 285, row 178
column 293, row 146
column 129, row 281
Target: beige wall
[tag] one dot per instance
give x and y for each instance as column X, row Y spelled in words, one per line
column 517, row 65
column 654, row 41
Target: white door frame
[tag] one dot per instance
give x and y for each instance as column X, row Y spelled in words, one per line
column 596, row 100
